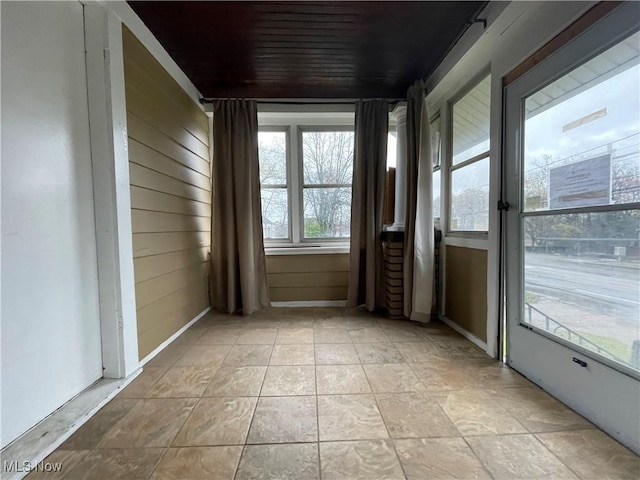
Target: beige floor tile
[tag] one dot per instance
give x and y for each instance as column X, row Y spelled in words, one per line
column 336, row 354
column 143, row 382
column 289, row 380
column 496, row 375
column 368, row 335
column 292, row 355
column 378, row 353
column 129, row 464
column 219, row 336
column 393, row 377
column 198, row 463
column 416, row 352
column 167, row 357
column 181, row 382
column 150, row 423
column 592, row 454
column 414, row 415
column 362, row 460
column 512, row 457
column 205, row 356
column 65, row 459
column 295, row 313
column 350, row 417
column 284, row 420
column 439, row 458
column 334, row 379
column 236, row 382
column 262, row 323
column 459, row 348
column 475, row 412
column 191, row 336
column 282, row 462
column 258, row 336
column 538, row 411
column 331, row 335
column 294, row 336
column 217, row 421
column 443, row 375
column 89, row 434
column 404, row 334
column 337, row 322
column 248, row 355
column 296, row 323
column 328, row 313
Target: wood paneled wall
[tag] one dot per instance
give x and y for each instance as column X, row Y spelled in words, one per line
column 308, row 277
column 466, row 289
column 170, row 175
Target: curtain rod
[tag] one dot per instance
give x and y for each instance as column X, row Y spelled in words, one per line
column 204, row 101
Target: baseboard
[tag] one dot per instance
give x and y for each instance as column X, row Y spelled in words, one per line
column 168, row 341
column 313, row 303
column 33, row 446
column 466, row 334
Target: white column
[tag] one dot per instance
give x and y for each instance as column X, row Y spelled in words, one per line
column 400, row 115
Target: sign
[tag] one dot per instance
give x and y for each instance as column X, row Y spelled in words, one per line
column 581, row 184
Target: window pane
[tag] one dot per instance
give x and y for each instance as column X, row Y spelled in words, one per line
column 392, row 149
column 275, row 218
column 434, row 130
column 471, row 123
column 272, row 152
column 582, row 137
column 470, row 197
column 327, row 212
column 436, row 194
column 327, row 157
column 581, row 280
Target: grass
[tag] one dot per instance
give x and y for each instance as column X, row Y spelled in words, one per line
column 619, row 349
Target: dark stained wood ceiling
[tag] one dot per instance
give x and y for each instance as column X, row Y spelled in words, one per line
column 337, row 49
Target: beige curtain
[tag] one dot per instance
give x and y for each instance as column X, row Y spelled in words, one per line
column 418, row 241
column 238, row 272
column 366, row 269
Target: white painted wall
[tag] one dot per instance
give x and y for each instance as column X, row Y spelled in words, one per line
column 50, row 318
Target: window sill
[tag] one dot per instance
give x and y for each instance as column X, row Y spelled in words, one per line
column 306, row 250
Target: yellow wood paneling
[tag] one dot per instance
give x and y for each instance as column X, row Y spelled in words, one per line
column 170, row 176
column 308, row 294
column 154, row 289
column 151, row 180
column 145, row 244
column 306, row 279
column 466, row 289
column 192, row 170
column 308, row 263
column 153, row 266
column 143, row 199
column 145, row 221
column 142, row 69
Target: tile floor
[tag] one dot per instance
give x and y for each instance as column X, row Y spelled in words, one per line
column 334, row 394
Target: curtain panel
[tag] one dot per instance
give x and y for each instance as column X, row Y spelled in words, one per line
column 418, row 261
column 238, row 266
column 366, row 262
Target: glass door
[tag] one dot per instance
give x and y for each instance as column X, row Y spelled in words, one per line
column 572, row 179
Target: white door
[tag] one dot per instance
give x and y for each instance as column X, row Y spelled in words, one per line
column 50, row 319
column 572, row 181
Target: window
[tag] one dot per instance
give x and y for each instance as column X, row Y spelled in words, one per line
column 469, row 169
column 434, row 130
column 306, row 191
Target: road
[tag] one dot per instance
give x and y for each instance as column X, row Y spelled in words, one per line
column 603, row 286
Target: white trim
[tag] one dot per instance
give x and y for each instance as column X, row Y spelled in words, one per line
column 126, row 14
column 314, row 303
column 307, row 250
column 465, row 242
column 47, row 435
column 466, row 334
column 169, row 340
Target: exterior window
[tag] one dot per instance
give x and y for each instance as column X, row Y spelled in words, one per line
column 305, row 191
column 274, row 187
column 469, row 170
column 436, row 143
column 327, row 166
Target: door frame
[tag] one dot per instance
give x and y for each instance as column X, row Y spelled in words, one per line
column 586, row 390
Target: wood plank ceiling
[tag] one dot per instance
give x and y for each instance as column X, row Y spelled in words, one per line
column 320, row 50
